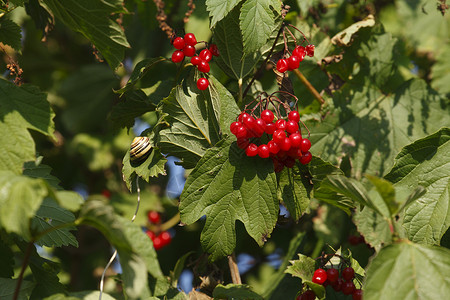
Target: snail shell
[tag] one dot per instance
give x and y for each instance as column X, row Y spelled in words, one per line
column 140, row 149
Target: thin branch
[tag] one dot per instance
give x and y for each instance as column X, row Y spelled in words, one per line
column 235, row 276
column 22, row 271
column 309, row 86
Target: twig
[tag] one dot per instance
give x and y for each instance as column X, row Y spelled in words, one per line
column 309, row 86
column 22, row 271
column 235, row 276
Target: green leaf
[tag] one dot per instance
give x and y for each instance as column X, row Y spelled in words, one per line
column 93, row 20
column 8, row 286
column 10, row 33
column 69, row 200
column 88, row 295
column 387, row 192
column 188, row 125
column 38, row 170
column 21, row 196
column 257, row 22
column 440, row 72
column 345, row 37
column 304, row 268
column 179, row 266
column 235, row 291
column 295, row 189
column 51, row 218
column 21, row 108
column 425, row 163
column 226, row 186
column 232, row 60
column 219, row 9
column 373, row 227
column 408, row 271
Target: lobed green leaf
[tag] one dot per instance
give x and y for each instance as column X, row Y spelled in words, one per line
column 219, row 9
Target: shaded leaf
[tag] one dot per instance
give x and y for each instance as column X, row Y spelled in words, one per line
column 7, row 261
column 373, row 227
column 34, row 170
column 226, row 186
column 8, row 286
column 235, row 291
column 10, row 33
column 296, row 187
column 387, row 192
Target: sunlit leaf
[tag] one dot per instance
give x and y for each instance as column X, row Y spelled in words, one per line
column 219, row 9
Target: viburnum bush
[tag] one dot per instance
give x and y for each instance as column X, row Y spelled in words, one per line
column 251, row 149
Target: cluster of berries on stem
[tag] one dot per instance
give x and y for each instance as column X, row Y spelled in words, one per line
column 185, row 47
column 285, row 144
column 159, row 239
column 291, row 60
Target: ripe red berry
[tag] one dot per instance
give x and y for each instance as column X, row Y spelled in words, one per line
column 189, row 50
column 332, row 275
column 281, row 124
column 291, row 127
column 251, row 150
column 178, row 43
column 348, row 287
column 300, row 52
column 319, row 276
column 296, row 139
column 234, row 126
column 267, row 116
column 165, row 238
column 357, row 294
column 306, row 158
column 282, row 65
column 177, row 56
column 106, row 193
column 157, row 243
column 337, row 285
column 189, row 39
column 202, row 84
column 270, row 128
column 150, row 234
column 294, row 116
column 242, row 143
column 154, row 217
column 273, row 147
column 259, row 127
column 263, row 151
column 294, row 152
column 206, row 55
column 293, row 62
column 242, row 116
column 308, row 295
column 195, row 60
column 279, row 136
column 348, row 273
column 286, row 144
column 305, row 145
column 249, row 122
column 310, row 50
column 241, row 132
column 214, row 50
column 203, row 66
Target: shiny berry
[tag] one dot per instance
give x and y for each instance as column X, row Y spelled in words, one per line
column 332, row 275
column 195, row 60
column 234, row 126
column 154, row 217
column 214, row 50
column 319, row 276
column 178, row 43
column 189, row 50
column 296, row 139
column 279, row 136
column 150, row 234
column 286, row 144
column 348, row 287
column 273, row 147
column 291, row 127
column 203, row 66
column 300, row 52
column 249, row 122
column 305, row 145
column 281, row 124
column 165, row 238
column 177, row 56
column 357, row 294
column 241, row 132
column 267, row 116
column 202, row 84
column 294, row 116
column 293, row 62
column 259, row 127
column 242, row 116
column 310, row 50
column 348, row 273
column 206, row 55
column 157, row 243
column 270, row 128
column 306, row 158
column 252, row 150
column 189, row 39
column 282, row 65
column 263, row 151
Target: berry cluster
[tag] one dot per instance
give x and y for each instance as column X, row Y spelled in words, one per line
column 343, row 283
column 161, row 239
column 285, row 143
column 292, row 62
column 186, row 48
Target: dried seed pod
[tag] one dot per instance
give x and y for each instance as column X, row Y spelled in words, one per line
column 140, row 149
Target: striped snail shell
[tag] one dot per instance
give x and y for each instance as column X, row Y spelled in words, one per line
column 140, row 149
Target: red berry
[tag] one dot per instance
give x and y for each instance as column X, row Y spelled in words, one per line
column 154, row 217
column 178, row 43
column 308, row 295
column 242, row 116
column 242, row 143
column 310, row 50
column 203, row 66
column 291, row 127
column 165, row 238
column 249, row 122
column 267, row 116
column 150, row 234
column 202, row 84
column 294, row 152
column 177, row 56
column 263, row 151
column 293, row 62
column 294, row 116
column 305, row 145
column 279, row 136
column 189, row 39
column 282, row 65
column 332, row 275
column 241, row 132
column 157, row 243
column 300, row 52
column 296, row 139
column 289, row 162
column 354, row 240
column 270, row 128
column 259, row 127
column 214, row 50
column 195, row 60
column 273, row 147
column 206, row 55
column 337, row 285
column 286, row 144
column 348, row 273
column 189, row 50
column 319, row 276
column 234, row 126
column 106, row 193
column 348, row 287
column 357, row 294
column 306, row 158
column 278, row 166
column 281, row 124
column 251, row 150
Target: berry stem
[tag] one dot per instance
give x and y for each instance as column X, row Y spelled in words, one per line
column 309, row 86
column 304, row 36
column 235, row 276
column 166, row 225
